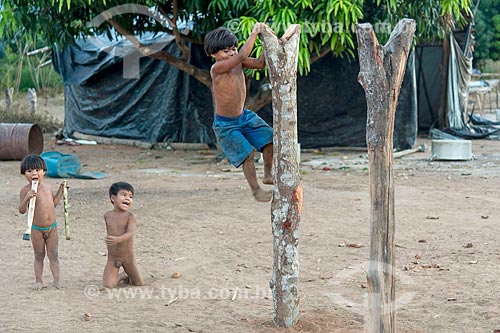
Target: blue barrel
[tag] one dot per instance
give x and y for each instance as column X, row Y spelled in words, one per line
column 60, row 165
column 19, row 139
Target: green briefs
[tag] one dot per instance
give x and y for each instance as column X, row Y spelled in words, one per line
column 52, row 226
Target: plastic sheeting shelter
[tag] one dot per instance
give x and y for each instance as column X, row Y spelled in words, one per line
column 152, row 102
column 164, row 104
column 332, row 107
column 451, row 120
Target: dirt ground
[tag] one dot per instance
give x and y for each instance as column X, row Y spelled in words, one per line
column 197, row 218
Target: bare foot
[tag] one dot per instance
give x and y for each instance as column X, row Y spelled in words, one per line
column 268, row 180
column 58, row 284
column 262, row 196
column 38, row 285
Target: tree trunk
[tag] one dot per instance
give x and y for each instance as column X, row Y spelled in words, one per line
column 381, row 74
column 281, row 58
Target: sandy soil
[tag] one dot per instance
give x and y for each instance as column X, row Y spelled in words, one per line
column 197, row 218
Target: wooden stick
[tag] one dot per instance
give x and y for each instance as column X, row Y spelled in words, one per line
column 405, row 152
column 113, row 141
column 66, row 210
column 31, row 211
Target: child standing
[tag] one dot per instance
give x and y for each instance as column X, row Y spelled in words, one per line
column 44, row 235
column 120, row 226
column 238, row 130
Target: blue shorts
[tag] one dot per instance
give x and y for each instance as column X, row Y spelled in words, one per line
column 239, row 135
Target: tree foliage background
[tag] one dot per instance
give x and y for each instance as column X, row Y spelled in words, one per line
column 487, row 32
column 328, row 25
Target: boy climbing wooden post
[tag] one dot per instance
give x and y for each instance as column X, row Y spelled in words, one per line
column 381, row 74
column 239, row 131
column 281, row 57
column 278, row 145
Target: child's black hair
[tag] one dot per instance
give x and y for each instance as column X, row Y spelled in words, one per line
column 32, row 161
column 116, row 187
column 219, row 39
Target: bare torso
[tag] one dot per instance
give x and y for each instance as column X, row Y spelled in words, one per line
column 45, row 213
column 116, row 225
column 229, row 91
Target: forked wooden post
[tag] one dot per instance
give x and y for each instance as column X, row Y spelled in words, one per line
column 381, row 74
column 281, row 58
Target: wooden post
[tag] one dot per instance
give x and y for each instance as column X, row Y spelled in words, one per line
column 8, row 96
column 32, row 100
column 281, row 58
column 381, row 74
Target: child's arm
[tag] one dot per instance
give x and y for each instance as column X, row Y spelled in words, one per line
column 244, row 52
column 24, row 198
column 254, row 63
column 129, row 233
column 59, row 193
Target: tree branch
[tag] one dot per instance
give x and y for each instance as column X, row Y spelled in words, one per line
column 323, row 52
column 180, row 63
column 173, row 23
column 259, row 100
column 199, row 74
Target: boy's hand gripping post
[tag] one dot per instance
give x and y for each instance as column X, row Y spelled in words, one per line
column 66, row 210
column 31, row 211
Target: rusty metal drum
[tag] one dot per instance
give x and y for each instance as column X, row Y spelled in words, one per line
column 20, row 139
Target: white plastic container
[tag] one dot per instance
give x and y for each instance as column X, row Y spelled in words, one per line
column 451, row 150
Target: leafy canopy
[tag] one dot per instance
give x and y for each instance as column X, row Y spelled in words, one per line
column 487, row 31
column 327, row 25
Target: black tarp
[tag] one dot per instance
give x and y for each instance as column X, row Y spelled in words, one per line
column 428, row 63
column 331, row 106
column 157, row 104
column 164, row 104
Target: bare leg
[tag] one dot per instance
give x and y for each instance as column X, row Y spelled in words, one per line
column 110, row 276
column 251, row 176
column 52, row 243
column 267, row 154
column 39, row 249
column 133, row 273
